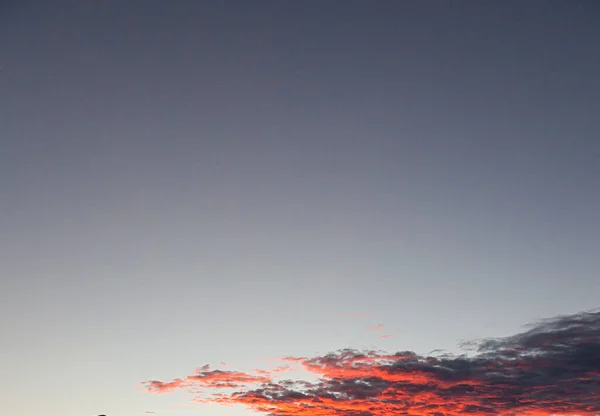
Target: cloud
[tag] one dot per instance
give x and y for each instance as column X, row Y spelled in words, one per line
column 552, row 368
column 205, row 378
column 376, row 327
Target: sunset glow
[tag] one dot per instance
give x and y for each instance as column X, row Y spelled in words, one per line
column 299, row 207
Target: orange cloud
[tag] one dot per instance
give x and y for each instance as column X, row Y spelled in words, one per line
column 551, row 369
column 205, row 378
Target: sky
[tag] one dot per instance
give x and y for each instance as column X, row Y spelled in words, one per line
column 343, row 194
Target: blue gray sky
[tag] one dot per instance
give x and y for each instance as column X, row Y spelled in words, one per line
column 189, row 182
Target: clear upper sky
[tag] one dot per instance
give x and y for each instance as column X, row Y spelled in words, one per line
column 189, row 182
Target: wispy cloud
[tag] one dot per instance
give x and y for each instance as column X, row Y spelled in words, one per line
column 377, row 327
column 206, row 378
column 552, row 368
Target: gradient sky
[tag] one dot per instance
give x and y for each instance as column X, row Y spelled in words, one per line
column 189, row 182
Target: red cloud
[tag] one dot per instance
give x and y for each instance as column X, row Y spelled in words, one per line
column 552, row 369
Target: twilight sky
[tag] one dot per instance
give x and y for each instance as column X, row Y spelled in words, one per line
column 185, row 183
